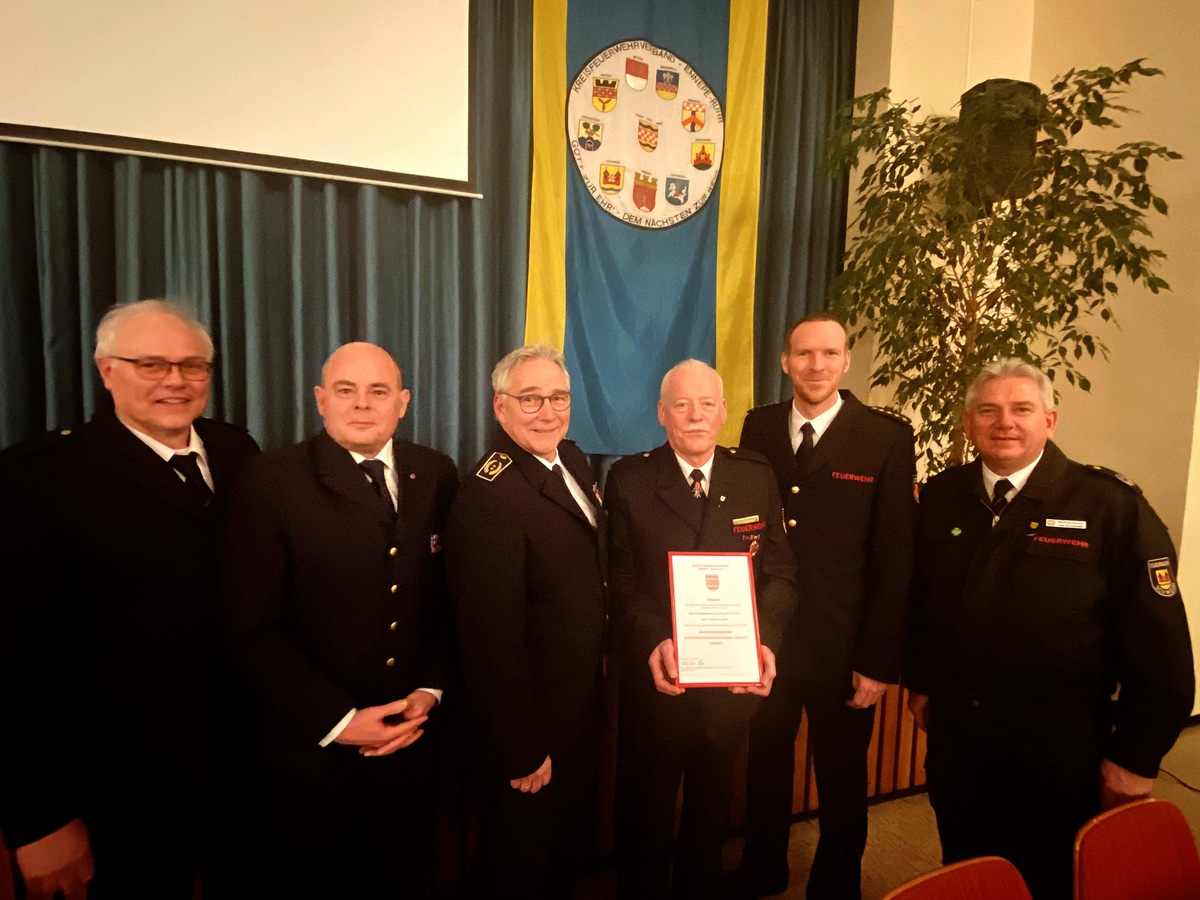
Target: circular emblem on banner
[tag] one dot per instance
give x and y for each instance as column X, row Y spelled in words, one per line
column 647, row 134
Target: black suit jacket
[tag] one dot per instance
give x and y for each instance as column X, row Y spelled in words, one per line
column 109, row 640
column 526, row 573
column 323, row 588
column 1021, row 630
column 851, row 520
column 652, row 512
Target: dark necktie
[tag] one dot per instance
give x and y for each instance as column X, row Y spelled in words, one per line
column 561, row 474
column 697, row 484
column 563, row 490
column 375, row 471
column 1000, row 496
column 805, row 448
column 186, row 465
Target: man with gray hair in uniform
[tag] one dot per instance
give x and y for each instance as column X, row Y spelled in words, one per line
column 688, row 495
column 1041, row 587
column 525, row 561
column 109, row 659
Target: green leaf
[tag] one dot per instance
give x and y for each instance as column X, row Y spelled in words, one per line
column 951, row 270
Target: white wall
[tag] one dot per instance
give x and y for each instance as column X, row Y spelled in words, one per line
column 1142, row 415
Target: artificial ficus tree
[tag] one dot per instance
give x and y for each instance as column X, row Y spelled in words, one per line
column 964, row 250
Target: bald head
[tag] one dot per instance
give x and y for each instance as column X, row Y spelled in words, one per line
column 361, row 397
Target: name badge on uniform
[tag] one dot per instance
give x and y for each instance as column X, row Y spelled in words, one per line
column 749, row 529
column 1066, row 523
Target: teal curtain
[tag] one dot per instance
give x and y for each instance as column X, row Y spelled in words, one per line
column 284, row 268
column 802, row 214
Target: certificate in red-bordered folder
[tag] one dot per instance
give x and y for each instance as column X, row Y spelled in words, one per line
column 714, row 619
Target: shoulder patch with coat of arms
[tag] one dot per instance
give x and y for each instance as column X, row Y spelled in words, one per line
column 493, row 466
column 1162, row 577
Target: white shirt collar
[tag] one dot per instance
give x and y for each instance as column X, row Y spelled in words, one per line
column 819, row 424
column 686, row 468
column 195, row 445
column 550, row 463
column 1017, row 479
column 384, row 456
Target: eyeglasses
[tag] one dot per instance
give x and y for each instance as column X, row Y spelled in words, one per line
column 531, row 403
column 152, row 368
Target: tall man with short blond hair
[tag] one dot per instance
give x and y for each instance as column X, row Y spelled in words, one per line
column 1042, row 586
column 337, row 610
column 845, row 473
column 110, row 711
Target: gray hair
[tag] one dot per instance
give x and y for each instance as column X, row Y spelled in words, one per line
column 1011, row 367
column 503, row 370
column 689, row 364
column 115, row 318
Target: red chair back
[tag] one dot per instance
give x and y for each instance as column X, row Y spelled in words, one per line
column 984, row 878
column 1141, row 851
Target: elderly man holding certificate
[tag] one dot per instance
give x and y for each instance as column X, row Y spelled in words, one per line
column 702, row 584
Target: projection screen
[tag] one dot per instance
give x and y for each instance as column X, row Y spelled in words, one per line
column 375, row 91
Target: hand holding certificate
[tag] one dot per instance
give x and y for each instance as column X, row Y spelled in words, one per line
column 715, row 620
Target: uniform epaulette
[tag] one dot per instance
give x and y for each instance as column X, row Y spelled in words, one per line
column 765, row 406
column 37, row 444
column 745, row 453
column 491, row 467
column 1117, row 476
column 891, row 414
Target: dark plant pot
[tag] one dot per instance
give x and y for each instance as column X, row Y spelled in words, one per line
column 998, row 123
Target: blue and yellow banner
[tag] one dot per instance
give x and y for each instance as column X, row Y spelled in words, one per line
column 647, row 134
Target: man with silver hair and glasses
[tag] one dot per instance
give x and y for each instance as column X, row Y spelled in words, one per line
column 109, row 656
column 525, row 561
column 1042, row 588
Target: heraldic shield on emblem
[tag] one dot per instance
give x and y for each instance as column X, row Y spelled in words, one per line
column 670, row 139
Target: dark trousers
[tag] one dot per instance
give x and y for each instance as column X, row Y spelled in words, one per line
column 358, row 827
column 662, row 742
column 992, row 803
column 155, row 828
column 839, row 737
column 536, row 846
column 146, row 850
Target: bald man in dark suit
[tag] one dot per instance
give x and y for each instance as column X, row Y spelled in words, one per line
column 337, row 612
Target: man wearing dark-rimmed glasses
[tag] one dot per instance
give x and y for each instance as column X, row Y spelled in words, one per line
column 524, row 558
column 109, row 657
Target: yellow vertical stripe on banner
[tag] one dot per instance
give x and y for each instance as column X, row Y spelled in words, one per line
column 737, row 227
column 546, row 293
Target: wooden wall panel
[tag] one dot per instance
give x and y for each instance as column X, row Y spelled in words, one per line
column 895, row 759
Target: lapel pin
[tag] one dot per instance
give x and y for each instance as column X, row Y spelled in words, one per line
column 956, row 531
column 722, row 500
column 412, row 476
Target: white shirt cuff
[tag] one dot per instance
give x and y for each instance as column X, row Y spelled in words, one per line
column 338, row 729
